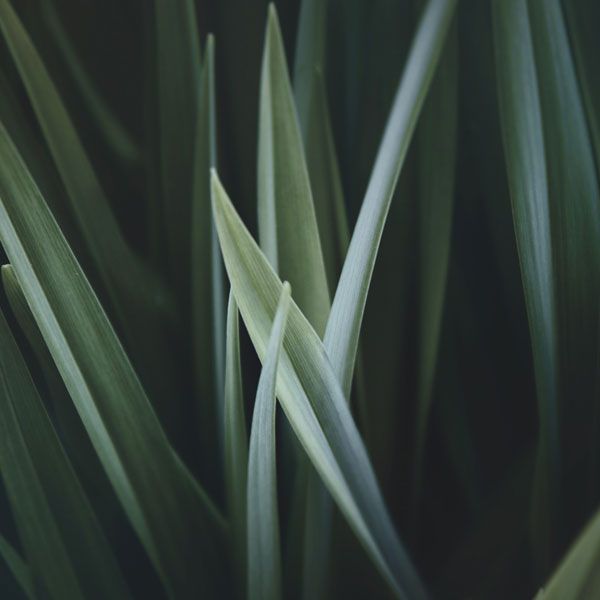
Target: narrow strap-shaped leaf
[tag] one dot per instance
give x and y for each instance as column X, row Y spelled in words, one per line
column 208, row 301
column 176, row 523
column 287, row 222
column 578, row 575
column 61, row 536
column 18, row 567
column 436, row 137
column 108, row 125
column 179, row 71
column 87, row 198
column 312, row 399
column 74, row 437
column 521, row 124
column 264, row 552
column 137, row 296
column 235, row 439
column 309, row 56
column 326, row 186
column 575, row 218
column 343, row 326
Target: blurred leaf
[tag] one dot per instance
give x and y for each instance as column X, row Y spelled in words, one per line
column 20, row 570
column 582, row 18
column 62, row 539
column 287, row 222
column 264, row 552
column 176, row 523
column 343, row 326
column 137, row 297
column 575, row 219
column 308, row 58
column 521, row 121
column 437, row 148
column 312, row 399
column 235, row 440
column 108, row 125
column 208, row 301
column 179, row 71
column 578, row 575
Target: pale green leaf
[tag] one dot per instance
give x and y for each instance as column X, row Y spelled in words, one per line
column 208, row 300
column 287, row 222
column 264, row 552
column 178, row 527
column 326, row 186
column 77, row 443
column 235, row 439
column 312, row 399
column 63, row 541
column 343, row 326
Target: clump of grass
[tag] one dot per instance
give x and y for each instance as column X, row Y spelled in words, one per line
column 411, row 237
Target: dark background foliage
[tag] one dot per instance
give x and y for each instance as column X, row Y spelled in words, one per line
column 471, row 537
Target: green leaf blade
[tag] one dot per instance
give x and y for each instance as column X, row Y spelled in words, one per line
column 343, row 326
column 164, row 504
column 235, row 439
column 310, row 395
column 287, row 221
column 522, row 132
column 64, row 543
column 264, row 551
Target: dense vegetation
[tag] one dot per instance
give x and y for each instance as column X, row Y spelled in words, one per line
column 299, row 300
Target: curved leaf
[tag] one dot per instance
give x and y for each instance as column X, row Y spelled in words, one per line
column 343, row 326
column 174, row 520
column 61, row 536
column 264, row 552
column 521, row 123
column 312, row 399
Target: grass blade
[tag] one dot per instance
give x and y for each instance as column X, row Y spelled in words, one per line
column 287, row 222
column 76, row 441
column 136, row 295
column 264, row 552
column 208, row 301
column 326, row 186
column 343, row 326
column 312, row 399
column 18, row 567
column 521, row 123
column 63, row 541
column 236, row 440
column 575, row 218
column 436, row 137
column 168, row 511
